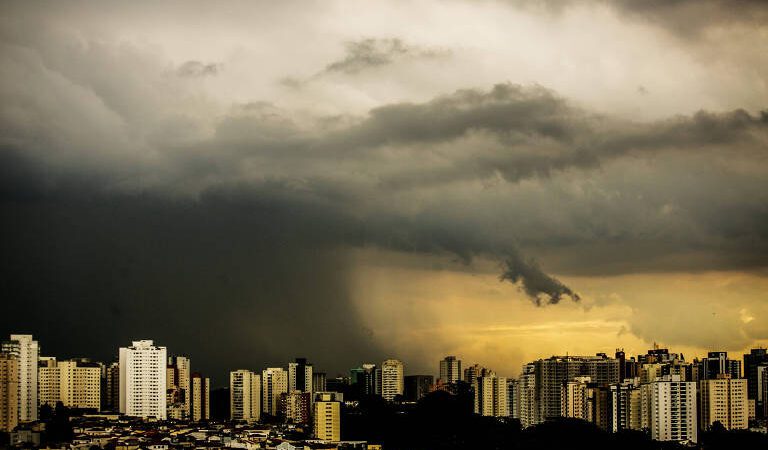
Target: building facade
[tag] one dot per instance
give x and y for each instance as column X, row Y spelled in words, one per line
column 669, row 409
column 491, row 397
column 245, row 396
column 75, row 383
column 450, row 369
column 724, row 400
column 417, row 386
column 9, row 391
column 392, row 381
column 178, row 389
column 274, row 381
column 27, row 352
column 327, row 417
column 200, row 401
column 143, row 380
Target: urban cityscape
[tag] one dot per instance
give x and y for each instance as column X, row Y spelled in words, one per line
column 151, row 398
column 383, row 225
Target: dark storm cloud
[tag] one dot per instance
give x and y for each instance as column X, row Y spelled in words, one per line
column 534, row 282
column 127, row 201
column 375, row 52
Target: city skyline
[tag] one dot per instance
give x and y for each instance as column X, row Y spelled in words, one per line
column 496, row 180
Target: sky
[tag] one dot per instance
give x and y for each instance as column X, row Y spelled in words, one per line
column 249, row 182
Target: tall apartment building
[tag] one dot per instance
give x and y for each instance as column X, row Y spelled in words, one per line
column 723, row 400
column 476, row 370
column 761, row 402
column 552, row 372
column 513, row 398
column 111, row 395
column 143, row 380
column 327, row 416
column 575, row 399
column 366, row 379
column 669, row 409
column 529, row 407
column 300, row 376
column 274, row 381
column 295, row 406
column 491, row 397
column 178, row 387
column 27, row 352
column 717, row 363
column 245, row 396
column 392, row 382
column 318, row 382
column 450, row 369
column 650, row 371
column 625, row 406
column 417, row 386
column 74, row 383
column 755, row 358
column 200, row 401
column 9, row 391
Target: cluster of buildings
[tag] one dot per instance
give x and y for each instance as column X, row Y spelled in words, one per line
column 659, row 392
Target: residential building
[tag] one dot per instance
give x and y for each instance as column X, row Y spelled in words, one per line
column 575, row 399
column 625, row 406
column 513, row 398
column 143, row 380
column 74, row 383
column 417, row 386
column 295, row 406
column 245, row 397
column 669, row 409
column 529, row 407
column 474, row 371
column 392, row 383
column 327, row 416
column 752, row 360
column 200, row 401
column 300, row 376
column 318, row 382
column 9, row 391
column 178, row 387
column 366, row 380
column 274, row 381
column 491, row 397
column 724, row 400
column 111, row 395
column 450, row 369
column 27, row 352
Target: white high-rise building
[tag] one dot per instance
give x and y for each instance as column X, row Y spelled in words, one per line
column 491, row 397
column 245, row 395
column 669, row 409
column 27, row 352
column 274, row 382
column 450, row 369
column 724, row 400
column 143, row 380
column 392, row 379
column 300, row 376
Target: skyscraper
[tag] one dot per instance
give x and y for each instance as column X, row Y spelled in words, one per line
column 392, row 383
column 575, row 399
column 318, row 382
column 327, row 417
column 366, row 379
column 274, row 382
column 9, row 391
column 491, row 397
column 717, row 363
column 200, row 401
column 178, row 387
column 474, row 371
column 723, row 400
column 300, row 376
column 27, row 352
column 295, row 406
column 143, row 380
column 625, row 406
column 529, row 407
column 245, row 396
column 450, row 369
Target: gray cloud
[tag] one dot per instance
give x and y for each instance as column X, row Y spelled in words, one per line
column 534, row 282
column 375, row 52
column 195, row 69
